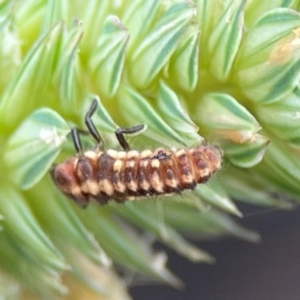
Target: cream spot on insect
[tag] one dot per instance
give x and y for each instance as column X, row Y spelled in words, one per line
column 145, row 185
column 155, row 163
column 145, row 153
column 132, row 185
column 75, row 190
column 106, row 187
column 156, row 183
column 144, row 163
column 118, row 185
column 132, row 154
column 121, row 155
column 121, row 187
column 204, row 172
column 94, row 187
column 130, row 164
column 172, row 183
column 180, row 152
column 93, row 155
column 112, row 153
column 187, row 178
column 91, row 187
column 118, row 165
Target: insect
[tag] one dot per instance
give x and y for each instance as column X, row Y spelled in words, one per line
column 129, row 174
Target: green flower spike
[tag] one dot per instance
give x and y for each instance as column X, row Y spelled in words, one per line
column 228, row 69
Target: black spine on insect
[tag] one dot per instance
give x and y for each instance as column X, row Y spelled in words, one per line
column 129, row 174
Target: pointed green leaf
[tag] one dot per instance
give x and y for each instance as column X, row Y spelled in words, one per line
column 225, row 40
column 281, row 168
column 142, row 113
column 213, row 194
column 139, row 18
column 32, row 149
column 108, row 59
column 155, row 50
column 68, row 69
column 10, row 51
column 25, row 91
column 5, row 11
column 28, row 18
column 27, row 231
column 210, row 13
column 208, row 16
column 255, row 191
column 248, row 154
column 255, row 9
column 268, row 65
column 94, row 13
column 66, row 218
column 207, row 224
column 184, row 63
column 49, row 284
column 282, row 118
column 124, row 246
column 93, row 281
column 153, row 222
column 177, row 117
column 55, row 11
column 226, row 118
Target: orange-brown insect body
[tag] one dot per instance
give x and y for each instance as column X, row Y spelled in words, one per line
column 126, row 175
column 130, row 174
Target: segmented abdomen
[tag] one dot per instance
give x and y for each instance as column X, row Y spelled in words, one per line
column 122, row 176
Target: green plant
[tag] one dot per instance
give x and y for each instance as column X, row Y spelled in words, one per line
column 229, row 67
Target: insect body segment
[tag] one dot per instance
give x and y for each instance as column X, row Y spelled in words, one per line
column 130, row 174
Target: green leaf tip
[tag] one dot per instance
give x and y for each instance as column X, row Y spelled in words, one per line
column 33, row 147
column 227, row 118
column 156, row 49
column 267, row 67
column 108, row 60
